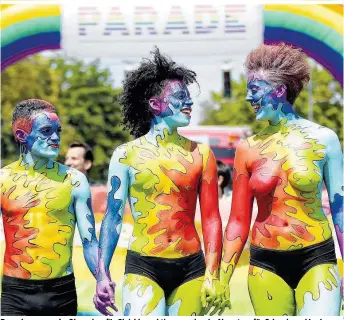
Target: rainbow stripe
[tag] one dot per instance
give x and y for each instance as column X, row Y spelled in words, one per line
column 317, row 29
column 27, row 29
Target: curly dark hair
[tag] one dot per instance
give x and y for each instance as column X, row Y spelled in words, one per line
column 144, row 83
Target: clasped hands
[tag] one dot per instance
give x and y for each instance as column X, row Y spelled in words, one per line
column 105, row 296
column 214, row 295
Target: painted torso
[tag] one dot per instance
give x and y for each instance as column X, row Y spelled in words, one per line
column 38, row 220
column 163, row 189
column 286, row 163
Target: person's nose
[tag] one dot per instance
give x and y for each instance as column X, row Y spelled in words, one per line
column 248, row 97
column 55, row 137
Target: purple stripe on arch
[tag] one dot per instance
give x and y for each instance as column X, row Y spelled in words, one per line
column 314, row 48
column 21, row 48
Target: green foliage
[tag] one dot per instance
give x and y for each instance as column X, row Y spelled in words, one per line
column 84, row 98
column 327, row 105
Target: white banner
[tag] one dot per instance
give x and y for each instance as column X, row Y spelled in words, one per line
column 130, row 28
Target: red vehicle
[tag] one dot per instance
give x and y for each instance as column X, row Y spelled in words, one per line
column 222, row 139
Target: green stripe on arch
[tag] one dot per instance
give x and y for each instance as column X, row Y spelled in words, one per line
column 29, row 28
column 305, row 25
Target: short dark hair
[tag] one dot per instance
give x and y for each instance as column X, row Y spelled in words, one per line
column 24, row 110
column 144, row 83
column 224, row 171
column 88, row 155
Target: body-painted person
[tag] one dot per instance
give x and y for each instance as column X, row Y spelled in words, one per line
column 162, row 174
column 41, row 203
column 293, row 267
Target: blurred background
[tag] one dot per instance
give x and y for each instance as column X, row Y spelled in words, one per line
column 75, row 55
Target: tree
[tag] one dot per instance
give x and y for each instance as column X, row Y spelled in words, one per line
column 84, row 99
column 26, row 79
column 327, row 105
column 86, row 93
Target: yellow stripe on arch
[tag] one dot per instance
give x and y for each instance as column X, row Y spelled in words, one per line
column 20, row 13
column 5, row 6
column 317, row 13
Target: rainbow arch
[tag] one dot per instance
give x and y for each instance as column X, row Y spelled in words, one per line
column 27, row 29
column 317, row 29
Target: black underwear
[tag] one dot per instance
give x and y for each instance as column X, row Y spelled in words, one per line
column 291, row 266
column 169, row 274
column 25, row 297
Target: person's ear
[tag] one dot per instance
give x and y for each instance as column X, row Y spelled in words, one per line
column 88, row 165
column 155, row 105
column 281, row 90
column 21, row 136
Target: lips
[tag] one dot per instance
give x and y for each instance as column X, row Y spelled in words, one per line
column 187, row 112
column 54, row 145
column 256, row 107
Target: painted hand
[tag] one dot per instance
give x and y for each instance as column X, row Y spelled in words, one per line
column 226, row 301
column 212, row 294
column 105, row 296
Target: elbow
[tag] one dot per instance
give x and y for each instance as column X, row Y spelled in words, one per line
column 237, row 228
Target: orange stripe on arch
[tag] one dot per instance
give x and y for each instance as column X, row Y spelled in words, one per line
column 338, row 8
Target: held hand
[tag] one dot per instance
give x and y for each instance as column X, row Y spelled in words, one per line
column 211, row 294
column 226, row 301
column 105, row 296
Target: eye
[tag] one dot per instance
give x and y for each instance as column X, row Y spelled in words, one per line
column 45, row 129
column 181, row 95
column 59, row 129
column 254, row 90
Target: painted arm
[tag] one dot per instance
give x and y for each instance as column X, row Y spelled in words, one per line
column 238, row 226
column 212, row 291
column 118, row 182
column 333, row 176
column 85, row 221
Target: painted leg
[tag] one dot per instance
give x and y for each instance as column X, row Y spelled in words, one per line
column 318, row 292
column 186, row 299
column 142, row 297
column 270, row 294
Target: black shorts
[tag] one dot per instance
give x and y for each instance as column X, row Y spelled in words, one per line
column 25, row 297
column 292, row 265
column 169, row 274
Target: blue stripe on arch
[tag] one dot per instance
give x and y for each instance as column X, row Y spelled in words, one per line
column 325, row 55
column 42, row 40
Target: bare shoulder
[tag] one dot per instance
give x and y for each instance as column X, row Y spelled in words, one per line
column 324, row 135
column 243, row 145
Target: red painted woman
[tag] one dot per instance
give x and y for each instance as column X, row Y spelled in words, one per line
column 293, row 266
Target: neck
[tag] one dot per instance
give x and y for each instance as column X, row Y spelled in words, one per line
column 161, row 132
column 31, row 161
column 284, row 113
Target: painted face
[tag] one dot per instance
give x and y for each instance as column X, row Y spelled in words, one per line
column 44, row 138
column 174, row 104
column 263, row 98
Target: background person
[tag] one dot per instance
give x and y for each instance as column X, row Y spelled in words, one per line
column 80, row 156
